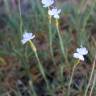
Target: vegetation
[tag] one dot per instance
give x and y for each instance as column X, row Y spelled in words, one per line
column 49, row 70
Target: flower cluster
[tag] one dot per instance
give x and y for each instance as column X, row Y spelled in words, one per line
column 52, row 12
column 80, row 52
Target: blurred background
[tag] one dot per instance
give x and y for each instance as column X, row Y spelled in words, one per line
column 18, row 63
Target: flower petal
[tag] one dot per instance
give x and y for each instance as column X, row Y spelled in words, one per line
column 59, row 11
column 82, row 51
column 54, row 12
column 23, row 41
column 56, row 16
column 47, row 3
column 50, row 12
column 26, row 37
column 78, row 56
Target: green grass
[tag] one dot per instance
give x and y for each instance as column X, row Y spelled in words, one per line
column 55, row 48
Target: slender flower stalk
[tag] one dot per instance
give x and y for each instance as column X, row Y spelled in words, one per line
column 60, row 40
column 62, row 47
column 69, row 86
column 27, row 38
column 50, row 39
column 54, row 12
column 93, row 68
column 39, row 63
column 79, row 54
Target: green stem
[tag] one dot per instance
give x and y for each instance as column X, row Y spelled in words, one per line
column 20, row 16
column 39, row 63
column 93, row 67
column 50, row 40
column 61, row 41
column 75, row 65
column 93, row 85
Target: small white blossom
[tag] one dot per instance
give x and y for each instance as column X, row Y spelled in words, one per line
column 54, row 12
column 80, row 52
column 47, row 3
column 26, row 37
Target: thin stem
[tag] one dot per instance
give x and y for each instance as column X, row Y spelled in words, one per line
column 93, row 67
column 39, row 63
column 20, row 15
column 93, row 85
column 61, row 41
column 50, row 39
column 69, row 86
column 60, row 38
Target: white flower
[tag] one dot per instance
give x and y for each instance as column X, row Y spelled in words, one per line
column 26, row 37
column 47, row 3
column 80, row 52
column 54, row 12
